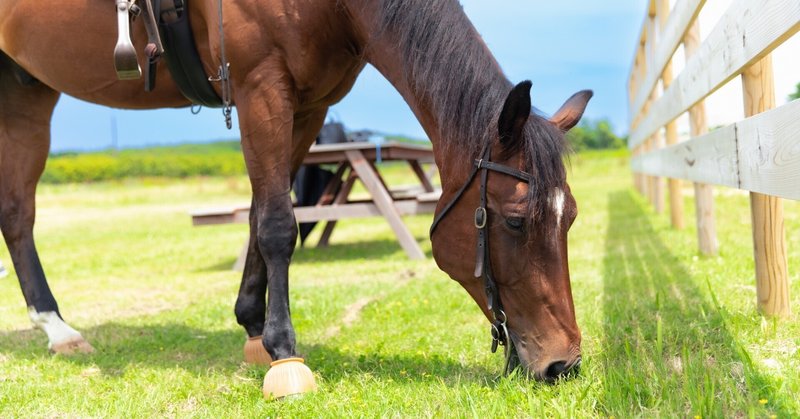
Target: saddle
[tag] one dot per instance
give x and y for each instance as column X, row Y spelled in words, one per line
column 167, row 20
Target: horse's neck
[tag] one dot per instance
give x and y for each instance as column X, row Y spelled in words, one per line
column 478, row 93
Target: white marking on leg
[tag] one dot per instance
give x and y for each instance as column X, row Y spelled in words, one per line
column 57, row 330
column 557, row 201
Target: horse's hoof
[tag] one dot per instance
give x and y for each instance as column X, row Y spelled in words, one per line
column 287, row 377
column 255, row 353
column 72, row 346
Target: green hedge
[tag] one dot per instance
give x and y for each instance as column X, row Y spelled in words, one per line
column 213, row 159
column 594, row 135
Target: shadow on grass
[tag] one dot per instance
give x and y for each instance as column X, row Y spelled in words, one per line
column 367, row 249
column 335, row 365
column 222, row 264
column 171, row 345
column 310, row 254
column 668, row 349
column 361, row 250
column 117, row 346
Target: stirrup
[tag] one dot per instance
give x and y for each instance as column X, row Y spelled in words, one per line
column 125, row 61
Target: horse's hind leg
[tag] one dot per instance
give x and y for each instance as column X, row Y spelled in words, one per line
column 251, row 304
column 25, row 111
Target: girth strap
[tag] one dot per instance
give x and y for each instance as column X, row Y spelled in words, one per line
column 181, row 54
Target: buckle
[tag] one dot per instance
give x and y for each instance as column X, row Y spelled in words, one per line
column 503, row 319
column 499, row 335
column 480, row 217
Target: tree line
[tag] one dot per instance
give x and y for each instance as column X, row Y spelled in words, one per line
column 594, row 135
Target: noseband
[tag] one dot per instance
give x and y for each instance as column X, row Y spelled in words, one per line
column 483, row 265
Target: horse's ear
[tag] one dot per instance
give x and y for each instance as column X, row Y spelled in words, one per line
column 515, row 113
column 572, row 110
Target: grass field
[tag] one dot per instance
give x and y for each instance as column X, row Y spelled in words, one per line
column 666, row 332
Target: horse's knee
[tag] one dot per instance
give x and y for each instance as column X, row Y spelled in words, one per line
column 277, row 237
column 14, row 222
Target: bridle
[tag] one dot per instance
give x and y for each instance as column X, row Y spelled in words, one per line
column 483, row 265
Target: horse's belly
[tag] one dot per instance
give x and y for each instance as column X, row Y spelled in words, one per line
column 71, row 48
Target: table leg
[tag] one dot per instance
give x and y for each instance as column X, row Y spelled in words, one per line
column 380, row 178
column 383, row 200
column 341, row 198
column 329, row 194
column 239, row 264
column 421, row 175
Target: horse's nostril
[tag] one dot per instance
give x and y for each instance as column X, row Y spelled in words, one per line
column 560, row 369
column 555, row 370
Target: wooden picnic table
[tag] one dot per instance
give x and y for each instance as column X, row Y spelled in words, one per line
column 354, row 161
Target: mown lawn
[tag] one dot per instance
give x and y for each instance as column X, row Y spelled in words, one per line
column 666, row 332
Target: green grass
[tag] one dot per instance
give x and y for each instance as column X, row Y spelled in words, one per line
column 666, row 332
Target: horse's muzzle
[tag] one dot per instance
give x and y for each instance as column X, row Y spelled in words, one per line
column 562, row 370
column 558, row 370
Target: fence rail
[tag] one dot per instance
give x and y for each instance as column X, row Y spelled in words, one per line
column 760, row 154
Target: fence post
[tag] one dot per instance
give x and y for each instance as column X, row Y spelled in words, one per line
column 703, row 193
column 644, row 148
column 656, row 183
column 769, row 241
column 633, row 88
column 644, row 180
column 656, row 140
column 674, row 185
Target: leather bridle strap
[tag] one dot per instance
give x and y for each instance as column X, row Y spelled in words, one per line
column 481, row 163
column 488, row 165
column 438, row 217
column 483, row 265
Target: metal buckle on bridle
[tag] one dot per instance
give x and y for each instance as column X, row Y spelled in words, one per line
column 499, row 331
column 480, row 217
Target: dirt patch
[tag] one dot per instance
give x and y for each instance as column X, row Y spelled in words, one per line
column 351, row 314
column 353, row 311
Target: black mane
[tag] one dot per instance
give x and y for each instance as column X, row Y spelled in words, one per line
column 450, row 67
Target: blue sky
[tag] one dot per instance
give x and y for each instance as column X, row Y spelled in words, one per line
column 562, row 47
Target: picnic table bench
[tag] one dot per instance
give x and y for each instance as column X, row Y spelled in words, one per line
column 354, row 161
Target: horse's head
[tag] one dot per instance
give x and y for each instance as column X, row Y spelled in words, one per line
column 521, row 183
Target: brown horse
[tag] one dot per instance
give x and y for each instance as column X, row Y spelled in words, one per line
column 289, row 61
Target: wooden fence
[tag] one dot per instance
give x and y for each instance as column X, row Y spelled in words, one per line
column 760, row 154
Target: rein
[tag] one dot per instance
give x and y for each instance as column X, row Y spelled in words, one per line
column 483, row 266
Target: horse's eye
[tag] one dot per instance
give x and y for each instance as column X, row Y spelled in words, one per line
column 515, row 223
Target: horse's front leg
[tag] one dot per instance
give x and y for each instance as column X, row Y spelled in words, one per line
column 266, row 121
column 251, row 302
